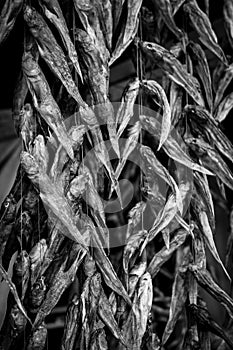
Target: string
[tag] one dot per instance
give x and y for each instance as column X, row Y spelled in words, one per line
column 139, row 72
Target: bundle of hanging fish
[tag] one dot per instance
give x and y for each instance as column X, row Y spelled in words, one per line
column 167, row 137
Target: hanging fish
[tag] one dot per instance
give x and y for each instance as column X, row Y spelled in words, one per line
column 37, row 294
column 156, row 91
column 222, row 84
column 8, row 16
column 27, row 125
column 171, row 146
column 44, row 101
column 175, row 70
column 53, row 198
column 36, row 257
column 164, row 254
column 205, row 280
column 60, row 282
column 224, row 107
column 228, row 17
column 128, row 31
column 53, row 12
column 202, row 26
column 201, row 66
column 19, row 96
column 21, row 273
column 51, row 51
column 178, row 299
column 126, row 109
column 71, row 324
column 165, row 9
column 38, row 338
column 97, row 76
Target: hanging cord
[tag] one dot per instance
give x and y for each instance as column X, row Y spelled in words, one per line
column 139, row 72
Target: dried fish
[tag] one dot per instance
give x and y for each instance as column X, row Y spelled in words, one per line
column 175, row 70
column 162, row 172
column 212, row 160
column 108, row 273
column 20, row 93
column 135, row 216
column 224, row 81
column 224, row 108
column 207, row 126
column 7, row 221
column 40, row 152
column 164, row 254
column 165, row 9
column 176, row 4
column 171, row 146
column 13, row 290
column 37, row 340
column 202, row 68
column 205, row 280
column 71, row 324
column 97, row 76
column 135, row 325
column 134, row 275
column 128, row 31
column 37, row 294
column 126, row 108
column 51, row 51
column 202, row 25
column 21, row 273
column 105, row 313
column 155, row 89
column 27, row 125
column 8, row 16
column 104, row 11
column 36, row 256
column 228, row 17
column 53, row 198
column 132, row 245
column 61, row 281
column 54, row 13
column 117, row 6
column 179, row 296
column 17, row 321
column 205, row 321
column 130, row 145
column 44, row 101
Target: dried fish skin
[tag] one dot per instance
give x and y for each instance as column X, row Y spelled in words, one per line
column 202, row 25
column 44, row 101
column 175, row 70
column 51, row 51
column 8, row 16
